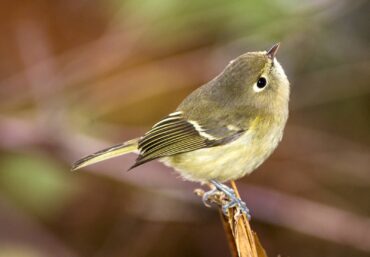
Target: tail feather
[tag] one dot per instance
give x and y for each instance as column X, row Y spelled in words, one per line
column 108, row 153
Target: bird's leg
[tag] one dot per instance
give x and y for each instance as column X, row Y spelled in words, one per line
column 234, row 201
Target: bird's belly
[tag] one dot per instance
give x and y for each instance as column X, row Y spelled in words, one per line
column 226, row 162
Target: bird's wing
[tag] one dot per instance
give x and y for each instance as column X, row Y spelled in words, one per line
column 175, row 134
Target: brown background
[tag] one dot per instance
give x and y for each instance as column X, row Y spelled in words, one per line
column 78, row 75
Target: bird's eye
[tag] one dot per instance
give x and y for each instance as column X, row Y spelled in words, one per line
column 260, row 84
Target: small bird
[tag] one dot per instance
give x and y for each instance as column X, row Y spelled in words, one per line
column 222, row 131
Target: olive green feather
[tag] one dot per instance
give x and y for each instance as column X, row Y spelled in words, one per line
column 175, row 135
column 108, row 153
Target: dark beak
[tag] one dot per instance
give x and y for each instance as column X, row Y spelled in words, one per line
column 272, row 52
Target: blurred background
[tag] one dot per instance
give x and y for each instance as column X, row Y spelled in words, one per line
column 78, row 75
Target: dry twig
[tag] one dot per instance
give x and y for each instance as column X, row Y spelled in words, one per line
column 243, row 242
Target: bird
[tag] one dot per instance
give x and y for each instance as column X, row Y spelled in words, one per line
column 222, row 131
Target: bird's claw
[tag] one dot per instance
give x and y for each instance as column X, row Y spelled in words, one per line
column 236, row 202
column 213, row 196
column 226, row 197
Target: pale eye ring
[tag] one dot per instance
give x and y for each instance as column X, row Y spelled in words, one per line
column 260, row 84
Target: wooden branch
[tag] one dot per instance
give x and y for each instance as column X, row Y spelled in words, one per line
column 243, row 242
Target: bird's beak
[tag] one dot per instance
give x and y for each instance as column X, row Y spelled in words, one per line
column 272, row 52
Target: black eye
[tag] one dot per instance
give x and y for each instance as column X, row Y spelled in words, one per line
column 261, row 83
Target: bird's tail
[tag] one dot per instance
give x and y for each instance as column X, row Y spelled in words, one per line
column 108, row 153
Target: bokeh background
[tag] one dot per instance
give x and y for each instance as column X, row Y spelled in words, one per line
column 78, row 75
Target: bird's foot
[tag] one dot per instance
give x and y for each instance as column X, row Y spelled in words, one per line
column 237, row 203
column 213, row 195
column 232, row 199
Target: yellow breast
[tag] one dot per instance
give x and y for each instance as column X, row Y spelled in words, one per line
column 233, row 160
